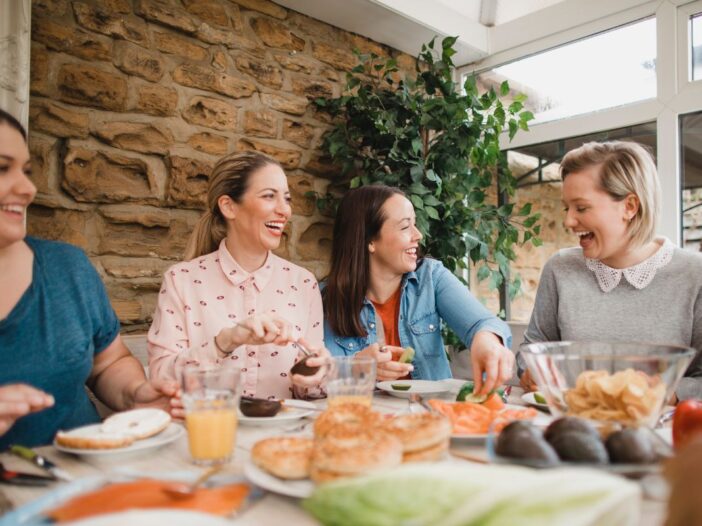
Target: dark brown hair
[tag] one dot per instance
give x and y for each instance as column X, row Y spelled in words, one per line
column 13, row 123
column 230, row 176
column 359, row 219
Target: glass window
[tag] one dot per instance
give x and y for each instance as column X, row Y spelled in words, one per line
column 691, row 163
column 603, row 71
column 696, row 45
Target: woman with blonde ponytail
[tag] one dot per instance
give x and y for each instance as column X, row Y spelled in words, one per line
column 233, row 301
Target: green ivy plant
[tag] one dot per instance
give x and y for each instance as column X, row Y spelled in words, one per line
column 441, row 146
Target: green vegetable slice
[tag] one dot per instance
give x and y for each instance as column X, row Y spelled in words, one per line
column 400, row 387
column 407, row 356
column 539, row 398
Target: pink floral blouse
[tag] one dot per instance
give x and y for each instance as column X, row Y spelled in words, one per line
column 200, row 297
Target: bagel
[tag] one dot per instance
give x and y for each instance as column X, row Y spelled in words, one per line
column 138, row 423
column 419, row 431
column 430, row 454
column 90, row 437
column 351, row 452
column 320, row 476
column 356, row 416
column 284, row 457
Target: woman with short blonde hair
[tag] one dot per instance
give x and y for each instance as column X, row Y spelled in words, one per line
column 615, row 284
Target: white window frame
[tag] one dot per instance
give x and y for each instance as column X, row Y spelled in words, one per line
column 676, row 94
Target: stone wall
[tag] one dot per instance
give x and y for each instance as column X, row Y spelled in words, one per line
column 132, row 102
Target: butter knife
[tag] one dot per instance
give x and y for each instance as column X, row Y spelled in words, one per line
column 23, row 479
column 38, row 460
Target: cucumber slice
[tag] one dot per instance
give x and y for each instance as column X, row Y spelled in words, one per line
column 400, row 387
column 539, row 398
column 475, row 398
column 407, row 356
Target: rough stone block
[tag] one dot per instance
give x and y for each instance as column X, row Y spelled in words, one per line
column 135, row 136
column 315, row 242
column 300, row 185
column 72, row 40
column 261, row 123
column 265, row 7
column 88, row 86
column 110, row 23
column 210, row 11
column 49, row 8
column 209, row 143
column 167, row 13
column 202, row 77
column 285, row 103
column 212, row 113
column 312, row 88
column 58, row 224
column 187, row 184
column 54, row 119
column 177, row 45
column 334, row 55
column 265, row 73
column 276, row 34
column 156, row 100
column 138, row 61
column 298, row 133
column 289, row 159
column 296, row 62
column 39, row 83
column 44, row 153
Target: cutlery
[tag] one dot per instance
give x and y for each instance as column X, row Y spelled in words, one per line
column 38, row 460
column 23, row 479
column 417, row 398
column 180, row 490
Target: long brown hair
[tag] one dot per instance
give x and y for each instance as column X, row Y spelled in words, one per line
column 230, row 176
column 358, row 221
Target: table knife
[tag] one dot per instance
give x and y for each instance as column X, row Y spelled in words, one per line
column 45, row 464
column 23, row 479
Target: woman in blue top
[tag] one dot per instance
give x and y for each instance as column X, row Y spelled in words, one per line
column 58, row 331
column 374, row 265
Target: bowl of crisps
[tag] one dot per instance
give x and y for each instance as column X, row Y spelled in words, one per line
column 622, row 383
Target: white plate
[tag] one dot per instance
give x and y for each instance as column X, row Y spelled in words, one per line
column 168, row 435
column 153, row 517
column 292, row 410
column 426, row 388
column 300, row 489
column 528, row 398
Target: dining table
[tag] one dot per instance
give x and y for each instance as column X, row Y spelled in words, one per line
column 270, row 508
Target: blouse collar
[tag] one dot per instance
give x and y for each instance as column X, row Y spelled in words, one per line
column 238, row 276
column 639, row 275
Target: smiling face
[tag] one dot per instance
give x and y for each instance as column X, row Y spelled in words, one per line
column 395, row 249
column 258, row 220
column 16, row 190
column 600, row 222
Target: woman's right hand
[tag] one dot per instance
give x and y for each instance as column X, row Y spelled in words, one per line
column 18, row 400
column 527, row 383
column 387, row 369
column 256, row 330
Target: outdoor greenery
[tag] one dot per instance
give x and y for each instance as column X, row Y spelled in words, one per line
column 441, row 146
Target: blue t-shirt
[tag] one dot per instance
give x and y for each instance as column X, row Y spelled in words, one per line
column 50, row 338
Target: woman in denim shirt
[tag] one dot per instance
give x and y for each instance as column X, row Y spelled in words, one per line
column 380, row 296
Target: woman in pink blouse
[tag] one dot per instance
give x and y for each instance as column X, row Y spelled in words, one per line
column 233, row 300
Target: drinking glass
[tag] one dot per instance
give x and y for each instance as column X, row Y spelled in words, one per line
column 351, row 380
column 211, row 397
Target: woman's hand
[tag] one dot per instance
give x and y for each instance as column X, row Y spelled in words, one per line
column 387, row 369
column 527, row 383
column 159, row 394
column 18, row 400
column 256, row 330
column 489, row 356
column 321, row 359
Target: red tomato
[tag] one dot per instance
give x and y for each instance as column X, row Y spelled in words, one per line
column 687, row 422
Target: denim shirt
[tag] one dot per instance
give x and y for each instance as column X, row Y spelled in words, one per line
column 430, row 295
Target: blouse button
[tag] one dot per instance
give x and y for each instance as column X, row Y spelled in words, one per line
column 431, row 326
column 351, row 345
column 372, row 325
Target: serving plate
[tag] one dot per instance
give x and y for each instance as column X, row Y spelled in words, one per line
column 299, row 489
column 292, row 410
column 168, row 435
column 426, row 388
column 540, row 420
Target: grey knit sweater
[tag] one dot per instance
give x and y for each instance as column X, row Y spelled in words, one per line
column 571, row 306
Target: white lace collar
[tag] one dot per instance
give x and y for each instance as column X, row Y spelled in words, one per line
column 639, row 276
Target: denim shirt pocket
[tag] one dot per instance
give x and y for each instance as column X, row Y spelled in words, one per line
column 350, row 345
column 426, row 327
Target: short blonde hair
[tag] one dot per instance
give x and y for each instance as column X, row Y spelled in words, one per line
column 624, row 168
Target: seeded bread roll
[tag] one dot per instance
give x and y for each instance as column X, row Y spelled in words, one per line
column 139, row 423
column 284, row 457
column 90, row 437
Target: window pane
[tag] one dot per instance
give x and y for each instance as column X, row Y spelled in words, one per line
column 606, row 70
column 696, row 44
column 691, row 162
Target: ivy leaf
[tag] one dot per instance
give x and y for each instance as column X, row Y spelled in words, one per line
column 431, row 212
column 504, row 88
column 483, row 272
column 417, row 201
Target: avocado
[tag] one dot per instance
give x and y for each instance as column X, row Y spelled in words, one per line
column 465, row 394
column 578, row 446
column 401, row 387
column 631, row 446
column 570, row 424
column 257, row 407
column 407, row 355
column 302, row 368
column 523, row 441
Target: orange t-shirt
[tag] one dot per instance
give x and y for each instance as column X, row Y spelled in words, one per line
column 389, row 313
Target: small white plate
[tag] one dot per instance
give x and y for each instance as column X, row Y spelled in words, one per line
column 528, row 398
column 292, row 410
column 168, row 435
column 426, row 388
column 299, row 489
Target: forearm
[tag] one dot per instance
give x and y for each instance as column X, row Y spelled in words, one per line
column 116, row 385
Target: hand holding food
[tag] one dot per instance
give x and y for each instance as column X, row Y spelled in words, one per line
column 256, row 330
column 18, row 400
column 156, row 393
column 387, row 369
column 491, row 358
column 315, row 364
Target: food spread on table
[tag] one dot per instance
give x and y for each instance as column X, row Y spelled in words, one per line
column 468, row 418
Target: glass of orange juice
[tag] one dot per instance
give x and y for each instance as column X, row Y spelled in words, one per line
column 211, row 399
column 351, row 380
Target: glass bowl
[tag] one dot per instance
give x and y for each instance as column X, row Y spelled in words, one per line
column 620, row 383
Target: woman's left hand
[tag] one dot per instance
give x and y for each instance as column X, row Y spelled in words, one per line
column 322, row 356
column 489, row 356
column 157, row 393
